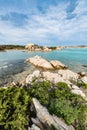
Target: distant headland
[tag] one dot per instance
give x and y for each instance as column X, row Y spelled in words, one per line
column 35, row 47
column 11, row 47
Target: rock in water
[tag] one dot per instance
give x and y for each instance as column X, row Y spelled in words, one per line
column 81, row 74
column 58, row 65
column 40, row 62
column 49, row 120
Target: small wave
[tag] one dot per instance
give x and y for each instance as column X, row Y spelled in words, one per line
column 5, row 63
column 0, row 68
column 10, row 65
column 6, row 66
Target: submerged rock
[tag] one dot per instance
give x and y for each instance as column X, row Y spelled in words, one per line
column 84, row 65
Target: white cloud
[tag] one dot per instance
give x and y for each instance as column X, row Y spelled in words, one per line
column 51, row 26
column 81, row 7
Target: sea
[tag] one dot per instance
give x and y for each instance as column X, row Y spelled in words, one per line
column 13, row 65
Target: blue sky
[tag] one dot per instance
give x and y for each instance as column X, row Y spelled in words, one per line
column 43, row 22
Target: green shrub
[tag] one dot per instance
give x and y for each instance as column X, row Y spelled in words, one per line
column 80, row 84
column 60, row 101
column 70, row 107
column 40, row 91
column 14, row 103
column 52, row 128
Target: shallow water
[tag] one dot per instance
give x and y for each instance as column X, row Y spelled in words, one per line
column 13, row 66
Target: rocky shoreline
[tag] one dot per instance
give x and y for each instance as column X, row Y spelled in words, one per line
column 34, row 47
column 62, row 73
column 51, row 72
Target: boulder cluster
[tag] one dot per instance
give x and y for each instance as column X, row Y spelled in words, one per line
column 51, row 98
column 62, row 74
column 34, row 47
column 53, row 71
column 45, row 121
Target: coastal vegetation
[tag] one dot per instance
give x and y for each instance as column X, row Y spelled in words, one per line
column 46, row 100
column 79, row 84
column 16, row 103
column 28, row 47
column 35, row 47
column 11, row 47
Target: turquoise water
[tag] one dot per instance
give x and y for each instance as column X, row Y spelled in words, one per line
column 12, row 62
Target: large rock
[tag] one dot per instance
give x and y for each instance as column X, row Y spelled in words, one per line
column 29, row 46
column 40, row 62
column 78, row 91
column 31, row 77
column 49, row 120
column 46, row 49
column 84, row 79
column 59, row 47
column 57, row 64
column 81, row 74
column 53, row 77
column 37, row 122
column 34, row 127
column 68, row 74
column 34, row 47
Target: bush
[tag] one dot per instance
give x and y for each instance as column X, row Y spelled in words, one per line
column 69, row 106
column 60, row 101
column 14, row 103
column 80, row 84
column 40, row 91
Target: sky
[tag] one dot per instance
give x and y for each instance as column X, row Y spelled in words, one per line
column 43, row 22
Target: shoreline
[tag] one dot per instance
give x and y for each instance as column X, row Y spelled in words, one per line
column 60, row 85
column 15, row 77
column 36, row 48
column 4, row 48
column 20, row 76
column 81, row 67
